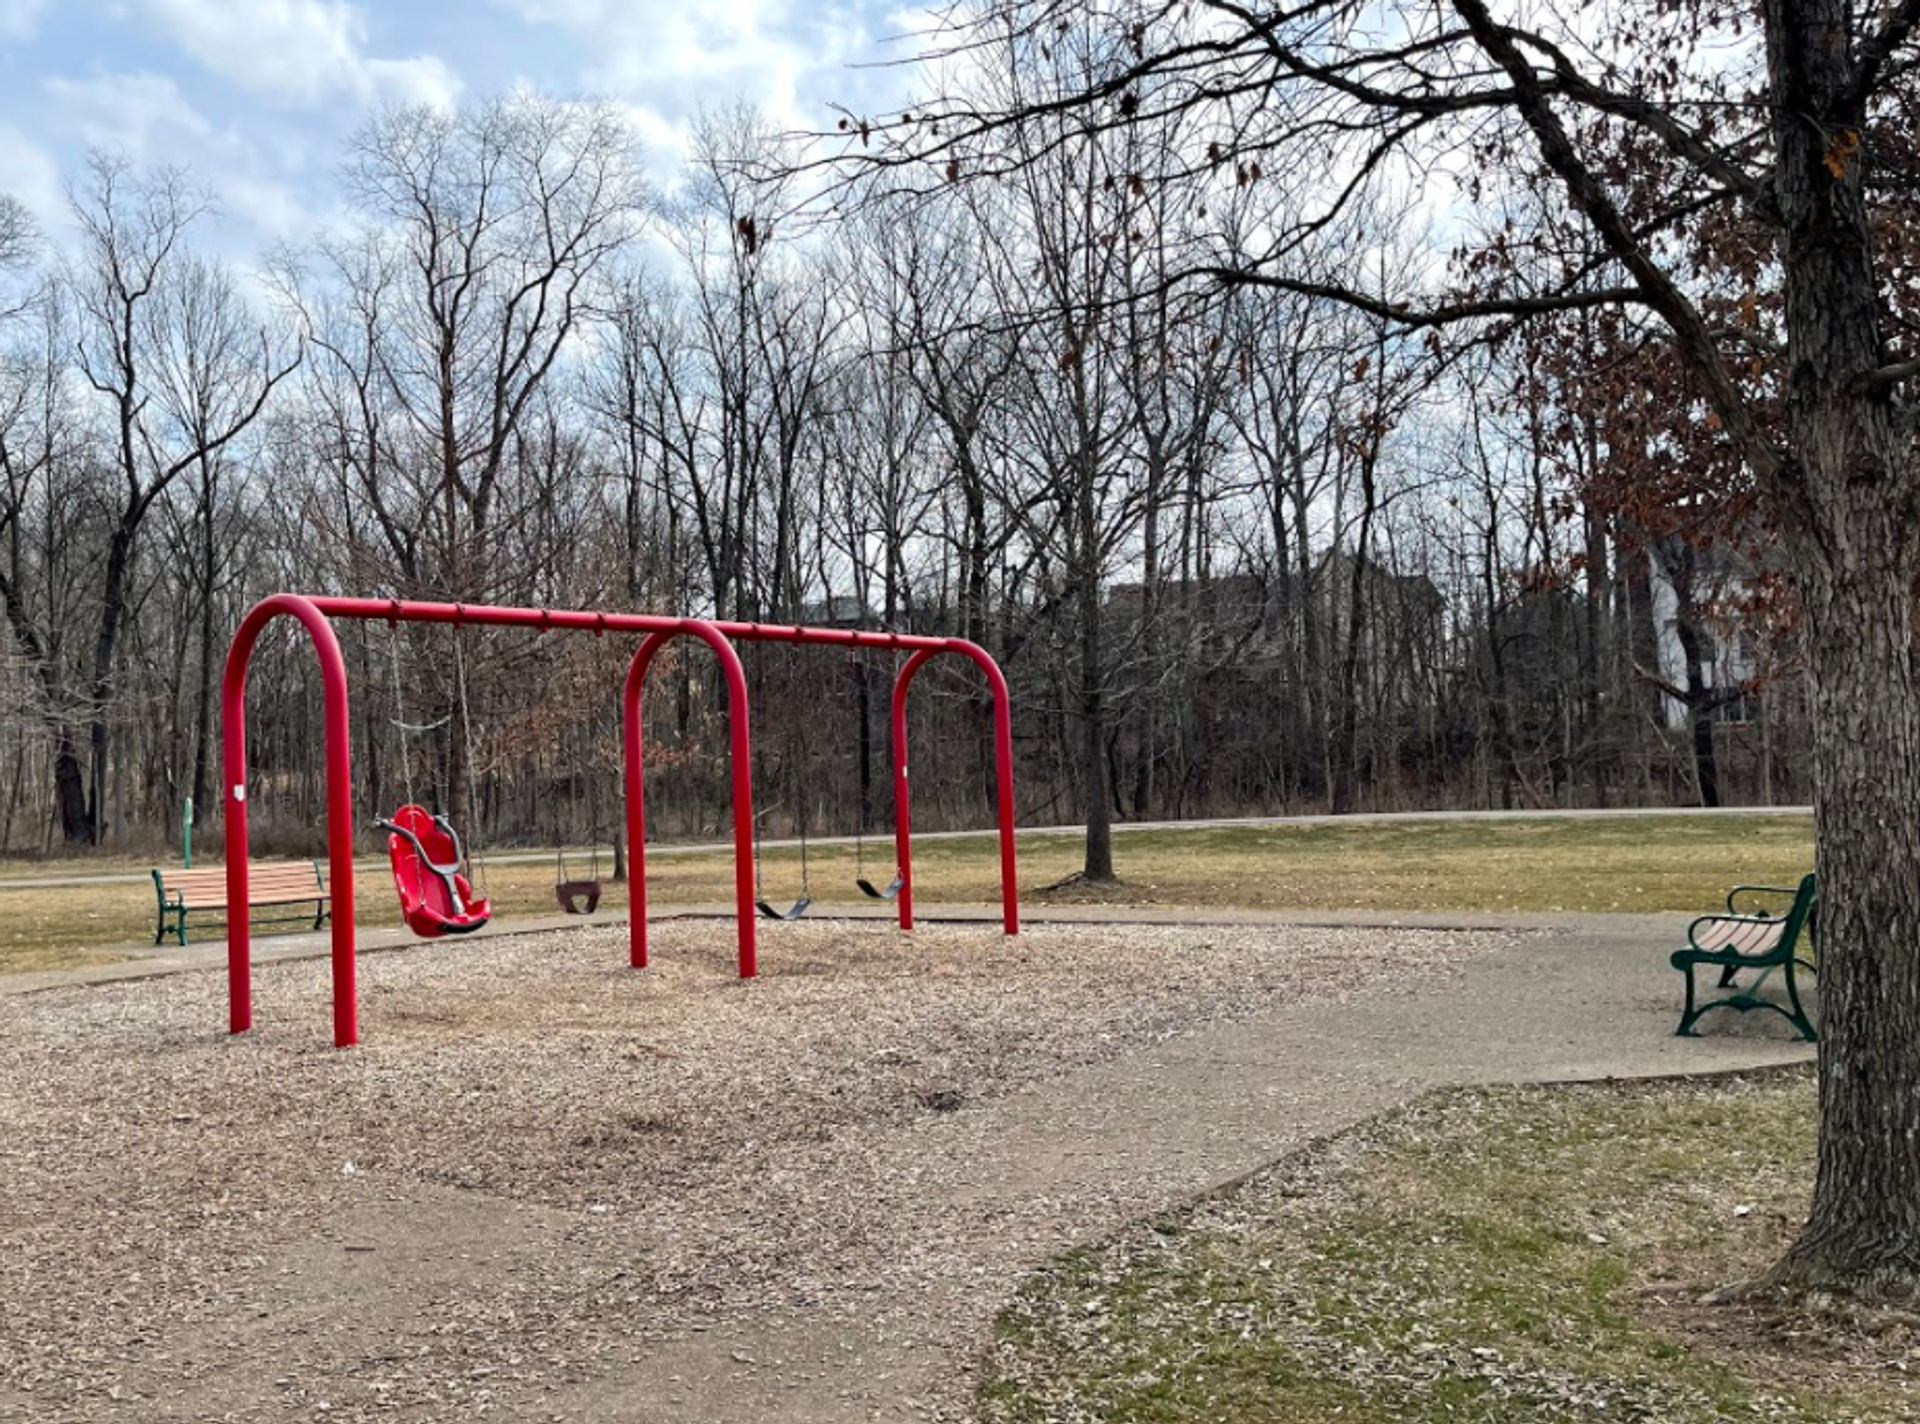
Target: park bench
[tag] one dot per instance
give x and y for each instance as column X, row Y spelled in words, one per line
column 185, row 891
column 1735, row 942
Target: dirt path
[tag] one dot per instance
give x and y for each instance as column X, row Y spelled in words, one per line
column 883, row 1180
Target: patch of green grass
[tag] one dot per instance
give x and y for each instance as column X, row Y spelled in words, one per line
column 1505, row 1257
column 1635, row 864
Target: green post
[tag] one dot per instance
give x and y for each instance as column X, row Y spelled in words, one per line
column 186, row 833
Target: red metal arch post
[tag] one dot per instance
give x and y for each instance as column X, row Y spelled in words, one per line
column 1003, row 774
column 233, row 712
column 741, row 741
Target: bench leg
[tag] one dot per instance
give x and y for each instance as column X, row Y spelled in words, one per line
column 1798, row 1017
column 1727, row 975
column 1689, row 1014
column 319, row 914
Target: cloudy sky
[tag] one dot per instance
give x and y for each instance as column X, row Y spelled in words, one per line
column 257, row 96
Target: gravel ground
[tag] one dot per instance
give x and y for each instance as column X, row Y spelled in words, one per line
column 538, row 1163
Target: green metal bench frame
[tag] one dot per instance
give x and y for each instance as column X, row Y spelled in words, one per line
column 174, row 908
column 1728, row 955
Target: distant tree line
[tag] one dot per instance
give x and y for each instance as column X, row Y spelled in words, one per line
column 1243, row 552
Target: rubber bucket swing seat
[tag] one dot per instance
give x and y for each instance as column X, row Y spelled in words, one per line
column 434, row 896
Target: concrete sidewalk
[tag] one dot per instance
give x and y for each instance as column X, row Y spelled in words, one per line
column 1143, row 1135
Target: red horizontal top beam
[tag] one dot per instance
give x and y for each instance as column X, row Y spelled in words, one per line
column 397, row 610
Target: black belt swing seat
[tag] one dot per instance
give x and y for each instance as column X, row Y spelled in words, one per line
column 769, row 910
column 860, row 880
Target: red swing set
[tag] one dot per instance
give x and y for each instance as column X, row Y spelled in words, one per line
column 424, row 849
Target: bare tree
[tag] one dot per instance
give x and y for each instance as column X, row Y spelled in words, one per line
column 43, row 502
column 1796, row 137
column 132, row 332
column 483, row 232
column 207, row 349
column 19, row 245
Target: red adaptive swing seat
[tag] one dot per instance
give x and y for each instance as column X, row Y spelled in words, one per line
column 434, row 896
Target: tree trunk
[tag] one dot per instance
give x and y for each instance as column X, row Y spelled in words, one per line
column 1682, row 564
column 1347, row 740
column 1706, row 763
column 1312, row 610
column 1498, row 712
column 1849, row 500
column 1601, row 754
column 975, row 590
column 69, row 779
column 203, row 690
column 1147, row 720
column 1093, row 766
column 1864, row 1230
column 1700, row 702
column 70, row 790
column 113, row 607
column 1093, row 711
column 16, row 790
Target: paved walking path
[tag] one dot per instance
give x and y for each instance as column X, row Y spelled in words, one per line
column 1579, row 1002
column 1582, row 997
column 528, row 857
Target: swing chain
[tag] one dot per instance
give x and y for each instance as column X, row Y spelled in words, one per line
column 476, row 858
column 400, row 712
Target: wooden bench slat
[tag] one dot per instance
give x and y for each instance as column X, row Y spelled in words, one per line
column 257, row 896
column 219, row 872
column 1744, row 935
column 185, row 891
column 202, row 882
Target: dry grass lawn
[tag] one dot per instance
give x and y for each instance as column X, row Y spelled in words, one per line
column 1632, row 864
column 1513, row 1256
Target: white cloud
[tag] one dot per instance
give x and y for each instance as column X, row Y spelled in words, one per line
column 297, row 52
column 427, row 80
column 28, row 172
column 147, row 117
column 273, row 208
column 20, row 18
column 663, row 144
column 671, row 56
column 143, row 115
